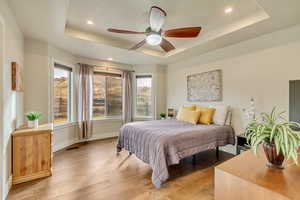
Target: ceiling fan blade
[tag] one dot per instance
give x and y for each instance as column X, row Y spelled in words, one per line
column 157, row 18
column 138, row 45
column 124, row 31
column 166, row 45
column 188, row 32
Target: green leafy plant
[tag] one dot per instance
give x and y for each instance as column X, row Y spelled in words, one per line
column 275, row 129
column 162, row 115
column 31, row 116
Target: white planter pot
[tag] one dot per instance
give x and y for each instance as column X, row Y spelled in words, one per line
column 33, row 124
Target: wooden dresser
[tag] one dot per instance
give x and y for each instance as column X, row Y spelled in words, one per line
column 246, row 177
column 32, row 153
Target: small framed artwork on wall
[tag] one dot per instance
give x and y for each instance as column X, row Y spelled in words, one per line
column 16, row 77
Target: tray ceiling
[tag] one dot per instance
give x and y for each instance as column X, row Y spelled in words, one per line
column 62, row 23
column 133, row 15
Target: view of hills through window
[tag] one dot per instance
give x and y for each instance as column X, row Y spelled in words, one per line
column 61, row 91
column 107, row 96
column 143, row 96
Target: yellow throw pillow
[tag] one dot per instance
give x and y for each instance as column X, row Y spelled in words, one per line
column 207, row 114
column 189, row 116
column 190, row 108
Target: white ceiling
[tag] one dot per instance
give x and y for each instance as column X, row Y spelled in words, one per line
column 133, row 15
column 62, row 23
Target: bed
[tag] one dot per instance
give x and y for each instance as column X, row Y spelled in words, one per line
column 161, row 143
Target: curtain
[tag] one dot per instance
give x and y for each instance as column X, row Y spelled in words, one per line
column 127, row 97
column 85, row 101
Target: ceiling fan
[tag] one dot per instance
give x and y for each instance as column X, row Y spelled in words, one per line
column 155, row 35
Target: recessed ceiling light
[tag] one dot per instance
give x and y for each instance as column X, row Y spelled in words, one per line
column 89, row 22
column 228, row 10
column 110, row 59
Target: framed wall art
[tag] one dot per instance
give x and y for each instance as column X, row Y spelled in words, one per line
column 205, row 87
column 17, row 77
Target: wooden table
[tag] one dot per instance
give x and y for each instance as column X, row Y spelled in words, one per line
column 246, row 177
column 31, row 153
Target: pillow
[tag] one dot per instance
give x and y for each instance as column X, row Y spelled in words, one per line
column 207, row 114
column 189, row 116
column 190, row 108
column 220, row 114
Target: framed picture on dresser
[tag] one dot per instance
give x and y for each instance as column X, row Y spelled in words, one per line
column 171, row 113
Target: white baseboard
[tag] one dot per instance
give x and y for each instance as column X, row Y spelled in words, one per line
column 58, row 147
column 103, row 136
column 7, row 187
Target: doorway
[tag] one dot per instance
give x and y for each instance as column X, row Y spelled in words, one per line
column 1, row 103
column 294, row 103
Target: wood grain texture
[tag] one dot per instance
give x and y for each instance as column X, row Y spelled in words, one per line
column 95, row 172
column 247, row 177
column 31, row 153
column 166, row 45
column 188, row 32
column 124, row 31
column 138, row 45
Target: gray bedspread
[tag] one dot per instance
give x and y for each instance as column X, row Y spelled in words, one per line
column 162, row 143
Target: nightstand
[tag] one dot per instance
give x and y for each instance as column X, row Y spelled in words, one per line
column 241, row 144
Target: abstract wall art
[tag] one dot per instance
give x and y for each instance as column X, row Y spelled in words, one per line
column 205, row 87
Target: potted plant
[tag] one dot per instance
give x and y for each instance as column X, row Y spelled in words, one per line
column 33, row 119
column 162, row 115
column 279, row 137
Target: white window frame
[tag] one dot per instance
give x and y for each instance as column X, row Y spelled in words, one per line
column 107, row 117
column 136, row 117
column 71, row 108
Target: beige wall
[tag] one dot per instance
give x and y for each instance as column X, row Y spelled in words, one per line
column 1, row 101
column 12, row 102
column 260, row 68
column 39, row 59
column 36, row 78
column 39, row 62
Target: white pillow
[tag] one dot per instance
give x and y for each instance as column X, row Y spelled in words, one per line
column 178, row 112
column 220, row 114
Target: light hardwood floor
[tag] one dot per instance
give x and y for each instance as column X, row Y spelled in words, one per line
column 94, row 172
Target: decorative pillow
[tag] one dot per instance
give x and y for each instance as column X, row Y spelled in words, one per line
column 220, row 114
column 190, row 108
column 207, row 114
column 189, row 116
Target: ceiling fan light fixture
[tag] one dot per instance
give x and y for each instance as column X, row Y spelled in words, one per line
column 154, row 39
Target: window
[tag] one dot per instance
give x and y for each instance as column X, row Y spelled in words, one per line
column 107, row 95
column 144, row 96
column 62, row 94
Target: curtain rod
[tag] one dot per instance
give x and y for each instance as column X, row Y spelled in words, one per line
column 115, row 68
